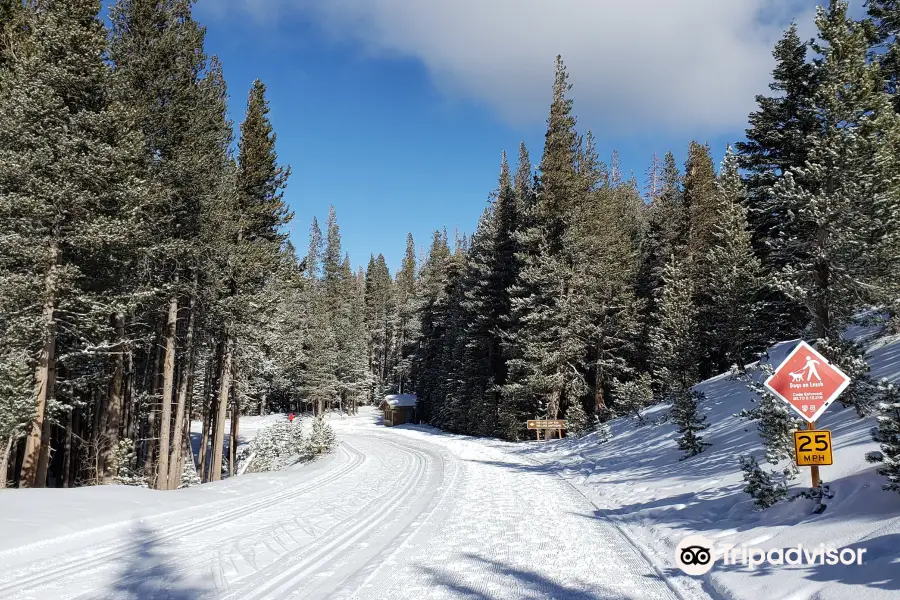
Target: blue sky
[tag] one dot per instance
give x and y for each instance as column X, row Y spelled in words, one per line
column 396, row 111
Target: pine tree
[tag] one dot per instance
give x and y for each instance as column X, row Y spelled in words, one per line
column 888, row 433
column 61, row 218
column 260, row 179
column 665, row 231
column 631, row 397
column 380, row 314
column 777, row 143
column 685, row 413
column 760, row 485
column 577, row 423
column 490, row 270
column 850, row 357
column 319, row 383
column 539, row 379
column 776, row 423
column 407, row 330
column 843, row 200
column 734, row 279
column 673, row 338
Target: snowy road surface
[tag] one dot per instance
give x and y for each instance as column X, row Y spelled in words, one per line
column 393, row 514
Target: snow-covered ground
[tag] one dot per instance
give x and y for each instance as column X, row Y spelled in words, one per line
column 638, row 481
column 411, row 512
column 406, row 512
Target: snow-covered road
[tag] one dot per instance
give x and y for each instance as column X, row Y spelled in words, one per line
column 393, row 514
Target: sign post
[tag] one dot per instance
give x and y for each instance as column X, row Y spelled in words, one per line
column 809, row 384
column 547, row 425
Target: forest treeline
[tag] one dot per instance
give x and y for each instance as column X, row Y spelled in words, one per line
column 145, row 277
column 145, row 273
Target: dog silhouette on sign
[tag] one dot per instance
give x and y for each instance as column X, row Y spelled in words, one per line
column 797, row 376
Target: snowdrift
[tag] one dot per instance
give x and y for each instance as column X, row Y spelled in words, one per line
column 637, row 480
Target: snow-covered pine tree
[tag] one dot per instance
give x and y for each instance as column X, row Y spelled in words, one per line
column 850, row 357
column 686, row 415
column 604, row 431
column 429, row 368
column 775, row 422
column 490, row 270
column 631, row 397
column 734, row 277
column 673, row 339
column 319, row 383
column 517, row 402
column 760, row 485
column 407, row 329
column 55, row 102
column 380, row 313
column 543, row 348
column 603, row 244
column 321, row 439
column 776, row 143
column 842, row 203
column 888, row 433
column 577, row 422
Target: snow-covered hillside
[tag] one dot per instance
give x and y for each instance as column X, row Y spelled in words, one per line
column 638, row 480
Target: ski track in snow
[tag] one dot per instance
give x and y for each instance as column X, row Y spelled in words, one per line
column 395, row 513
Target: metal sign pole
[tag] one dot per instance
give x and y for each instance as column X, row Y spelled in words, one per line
column 813, row 469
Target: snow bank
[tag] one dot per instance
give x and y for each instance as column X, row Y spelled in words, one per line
column 637, row 480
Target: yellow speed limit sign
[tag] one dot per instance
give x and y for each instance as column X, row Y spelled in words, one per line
column 813, row 447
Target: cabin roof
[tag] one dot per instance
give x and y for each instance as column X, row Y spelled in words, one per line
column 395, row 400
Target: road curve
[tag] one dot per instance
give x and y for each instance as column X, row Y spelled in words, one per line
column 396, row 513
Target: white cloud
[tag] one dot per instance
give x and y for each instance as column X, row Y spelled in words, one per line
column 636, row 65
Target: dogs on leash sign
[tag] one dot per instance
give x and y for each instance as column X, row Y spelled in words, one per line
column 807, row 382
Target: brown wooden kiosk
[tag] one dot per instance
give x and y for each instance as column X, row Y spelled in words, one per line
column 399, row 409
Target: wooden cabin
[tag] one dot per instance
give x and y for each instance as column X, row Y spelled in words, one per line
column 399, row 409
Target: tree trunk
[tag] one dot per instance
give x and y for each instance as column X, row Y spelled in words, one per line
column 235, row 429
column 165, row 415
column 43, row 377
column 112, row 416
column 262, row 405
column 215, row 473
column 187, row 370
column 208, row 409
column 150, row 432
column 67, row 460
column 128, row 395
column 4, row 461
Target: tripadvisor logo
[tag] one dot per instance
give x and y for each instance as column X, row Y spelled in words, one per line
column 696, row 555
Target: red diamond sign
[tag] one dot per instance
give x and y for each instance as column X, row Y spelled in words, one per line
column 807, row 382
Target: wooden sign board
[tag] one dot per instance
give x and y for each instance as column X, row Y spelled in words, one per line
column 813, row 448
column 546, row 424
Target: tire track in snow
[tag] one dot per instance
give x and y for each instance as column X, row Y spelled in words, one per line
column 102, row 558
column 298, row 579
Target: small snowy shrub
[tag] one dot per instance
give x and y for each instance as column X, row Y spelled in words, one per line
column 322, row 439
column 275, row 447
column 760, row 485
column 686, row 414
column 889, row 433
column 576, row 421
column 125, row 465
column 189, row 475
column 604, row 432
column 775, row 422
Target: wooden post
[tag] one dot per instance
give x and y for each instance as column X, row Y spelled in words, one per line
column 813, row 469
column 537, row 432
